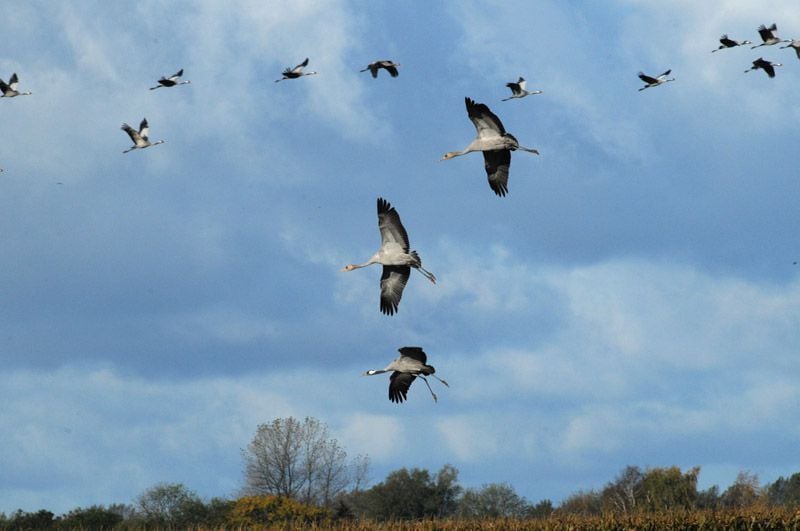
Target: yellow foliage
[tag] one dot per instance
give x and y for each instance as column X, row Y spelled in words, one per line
column 269, row 510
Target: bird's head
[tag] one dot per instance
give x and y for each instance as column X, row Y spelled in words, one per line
column 348, row 267
column 449, row 155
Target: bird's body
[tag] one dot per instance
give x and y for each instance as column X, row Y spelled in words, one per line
column 518, row 90
column 654, row 81
column 9, row 90
column 768, row 36
column 140, row 138
column 495, row 144
column 411, row 363
column 395, row 257
column 297, row 71
column 171, row 81
column 764, row 65
column 386, row 64
column 726, row 42
column 794, row 44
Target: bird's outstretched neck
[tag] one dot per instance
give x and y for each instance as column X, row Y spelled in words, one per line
column 452, row 154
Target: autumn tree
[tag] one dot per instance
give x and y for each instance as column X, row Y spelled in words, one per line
column 495, row 500
column 744, row 492
column 300, row 460
column 784, row 491
column 170, row 504
column 669, row 488
column 623, row 494
column 409, row 494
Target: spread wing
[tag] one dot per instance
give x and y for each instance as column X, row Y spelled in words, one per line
column 766, row 32
column 485, row 121
column 392, row 230
column 497, row 163
column 391, row 69
column 399, row 383
column 647, row 79
column 12, row 83
column 415, row 353
column 393, row 281
column 133, row 133
column 144, row 129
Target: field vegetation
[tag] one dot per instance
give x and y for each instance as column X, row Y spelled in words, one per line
column 298, row 477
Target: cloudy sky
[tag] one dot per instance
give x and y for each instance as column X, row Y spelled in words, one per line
column 633, row 300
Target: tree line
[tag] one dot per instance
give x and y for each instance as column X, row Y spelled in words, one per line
column 295, row 472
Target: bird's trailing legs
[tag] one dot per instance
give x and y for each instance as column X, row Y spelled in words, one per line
column 435, row 399
column 429, row 387
column 427, row 274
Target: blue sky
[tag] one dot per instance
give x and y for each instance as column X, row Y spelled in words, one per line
column 633, row 300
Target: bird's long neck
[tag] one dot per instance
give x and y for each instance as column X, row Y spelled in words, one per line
column 375, row 371
column 451, row 154
column 369, row 262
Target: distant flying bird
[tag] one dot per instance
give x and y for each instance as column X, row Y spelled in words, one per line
column 9, row 89
column 294, row 73
column 395, row 257
column 764, row 65
column 171, row 81
column 140, row 138
column 386, row 64
column 411, row 363
column 495, row 144
column 654, row 81
column 518, row 90
column 729, row 43
column 768, row 36
column 794, row 44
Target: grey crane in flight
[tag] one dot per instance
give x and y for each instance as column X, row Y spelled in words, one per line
column 411, row 363
column 726, row 42
column 171, row 81
column 140, row 138
column 297, row 71
column 9, row 89
column 395, row 257
column 764, row 65
column 386, row 64
column 518, row 90
column 495, row 144
column 768, row 36
column 794, row 44
column 655, row 81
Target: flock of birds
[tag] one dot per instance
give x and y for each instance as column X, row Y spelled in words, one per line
column 395, row 254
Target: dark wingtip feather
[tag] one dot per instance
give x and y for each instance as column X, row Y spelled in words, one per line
column 388, row 307
column 383, row 206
